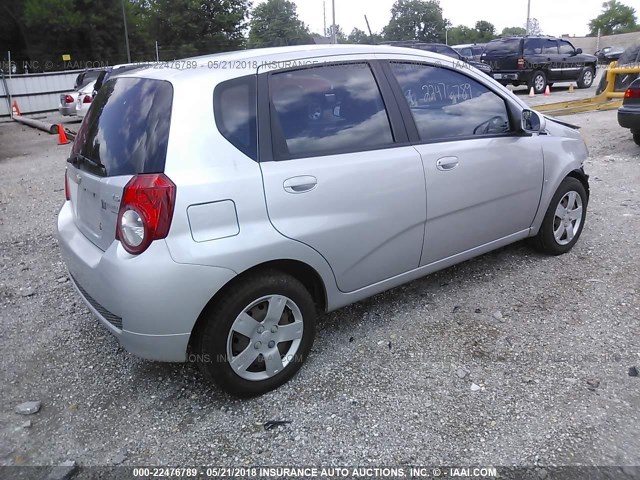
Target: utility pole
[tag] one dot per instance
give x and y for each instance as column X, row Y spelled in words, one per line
column 324, row 16
column 157, row 53
column 368, row 26
column 528, row 17
column 334, row 37
column 126, row 33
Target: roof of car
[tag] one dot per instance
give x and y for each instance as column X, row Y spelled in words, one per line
column 249, row 60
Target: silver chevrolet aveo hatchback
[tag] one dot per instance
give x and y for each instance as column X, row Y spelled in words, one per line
column 216, row 206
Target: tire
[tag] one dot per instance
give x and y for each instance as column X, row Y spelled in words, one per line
column 219, row 343
column 636, row 138
column 538, row 81
column 554, row 236
column 586, row 78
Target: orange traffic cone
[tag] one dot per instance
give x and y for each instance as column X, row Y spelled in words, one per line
column 547, row 91
column 532, row 92
column 15, row 109
column 571, row 88
column 62, row 136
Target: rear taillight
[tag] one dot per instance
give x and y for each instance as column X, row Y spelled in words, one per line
column 632, row 93
column 521, row 64
column 67, row 194
column 68, row 99
column 87, row 99
column 145, row 212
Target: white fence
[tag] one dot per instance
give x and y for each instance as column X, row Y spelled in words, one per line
column 34, row 92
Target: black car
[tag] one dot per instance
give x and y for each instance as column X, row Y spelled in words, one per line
column 629, row 112
column 442, row 49
column 609, row 54
column 538, row 62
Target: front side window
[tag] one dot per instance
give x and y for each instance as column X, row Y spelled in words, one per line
column 566, row 48
column 446, row 104
column 327, row 110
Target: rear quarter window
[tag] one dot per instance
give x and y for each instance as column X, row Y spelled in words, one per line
column 503, row 47
column 234, row 104
column 127, row 127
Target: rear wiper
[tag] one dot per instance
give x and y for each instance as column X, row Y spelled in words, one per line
column 78, row 160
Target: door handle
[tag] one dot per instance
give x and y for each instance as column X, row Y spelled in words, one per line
column 302, row 184
column 447, row 163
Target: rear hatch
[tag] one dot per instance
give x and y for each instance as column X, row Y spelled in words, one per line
column 125, row 133
column 502, row 54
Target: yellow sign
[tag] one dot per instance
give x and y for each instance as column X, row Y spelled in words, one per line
column 66, row 57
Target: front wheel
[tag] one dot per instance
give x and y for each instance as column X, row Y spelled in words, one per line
column 587, row 76
column 564, row 220
column 257, row 336
column 538, row 82
column 636, row 138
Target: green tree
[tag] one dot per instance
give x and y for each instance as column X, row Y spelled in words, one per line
column 358, row 36
column 340, row 36
column 276, row 23
column 416, row 20
column 461, row 35
column 189, row 27
column 534, row 27
column 615, row 18
column 513, row 32
column 486, row 31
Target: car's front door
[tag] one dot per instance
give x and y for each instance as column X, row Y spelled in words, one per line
column 484, row 181
column 572, row 64
column 343, row 178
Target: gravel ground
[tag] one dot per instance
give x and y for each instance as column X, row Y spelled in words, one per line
column 513, row 358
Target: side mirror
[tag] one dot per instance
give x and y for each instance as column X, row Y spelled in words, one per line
column 579, row 51
column 533, row 122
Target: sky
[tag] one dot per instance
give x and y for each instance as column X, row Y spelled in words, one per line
column 556, row 17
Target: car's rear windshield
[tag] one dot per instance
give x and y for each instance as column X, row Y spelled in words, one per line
column 126, row 130
column 503, row 46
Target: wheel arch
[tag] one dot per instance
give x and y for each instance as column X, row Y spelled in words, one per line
column 304, row 273
column 579, row 174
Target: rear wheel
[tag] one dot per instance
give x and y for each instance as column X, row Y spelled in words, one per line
column 564, row 220
column 257, row 336
column 538, row 81
column 636, row 138
column 587, row 76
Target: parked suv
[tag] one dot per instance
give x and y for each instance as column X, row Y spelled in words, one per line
column 538, row 62
column 442, row 49
column 213, row 210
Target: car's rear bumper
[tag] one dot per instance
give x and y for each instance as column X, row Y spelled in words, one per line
column 149, row 302
column 629, row 117
column 67, row 110
column 510, row 76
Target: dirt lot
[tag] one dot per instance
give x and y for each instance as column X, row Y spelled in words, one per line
column 389, row 380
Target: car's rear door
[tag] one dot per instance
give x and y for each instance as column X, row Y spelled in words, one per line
column 484, row 180
column 502, row 54
column 339, row 174
column 125, row 133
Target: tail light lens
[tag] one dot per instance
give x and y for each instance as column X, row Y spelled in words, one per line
column 521, row 64
column 632, row 93
column 68, row 99
column 87, row 99
column 145, row 212
column 67, row 194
